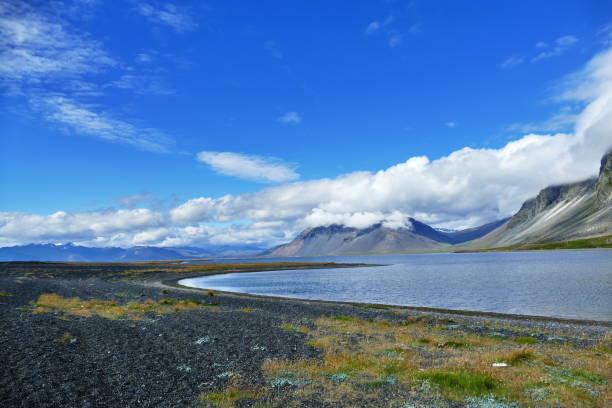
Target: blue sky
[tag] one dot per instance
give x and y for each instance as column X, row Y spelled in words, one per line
column 146, row 106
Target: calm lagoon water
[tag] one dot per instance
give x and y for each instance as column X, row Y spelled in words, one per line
column 570, row 284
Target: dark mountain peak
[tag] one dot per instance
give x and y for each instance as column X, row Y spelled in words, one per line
column 339, row 239
column 604, row 181
column 606, row 163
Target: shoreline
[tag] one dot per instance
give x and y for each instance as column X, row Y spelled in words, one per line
column 382, row 306
column 460, row 312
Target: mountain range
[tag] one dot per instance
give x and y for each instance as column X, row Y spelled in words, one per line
column 558, row 213
column 77, row 253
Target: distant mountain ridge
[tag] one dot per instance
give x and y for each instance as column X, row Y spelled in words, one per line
column 77, row 253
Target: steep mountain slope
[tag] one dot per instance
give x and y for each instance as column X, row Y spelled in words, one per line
column 341, row 240
column 559, row 213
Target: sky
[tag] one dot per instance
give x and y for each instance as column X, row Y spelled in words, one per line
column 188, row 123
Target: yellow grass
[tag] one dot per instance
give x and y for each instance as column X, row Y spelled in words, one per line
column 109, row 309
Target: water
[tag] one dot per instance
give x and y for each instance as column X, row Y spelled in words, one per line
column 570, row 284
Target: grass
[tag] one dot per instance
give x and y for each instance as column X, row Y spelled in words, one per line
column 227, row 398
column 462, row 383
column 66, row 338
column 525, row 340
column 291, row 327
column 379, row 358
column 345, row 318
column 456, row 344
column 519, row 357
column 5, row 294
column 109, row 309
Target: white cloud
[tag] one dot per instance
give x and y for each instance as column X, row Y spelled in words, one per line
column 142, row 84
column 512, row 61
column 35, row 48
column 75, row 227
column 39, row 51
column 561, row 121
column 561, row 45
column 373, row 27
column 290, row 117
column 272, row 49
column 194, row 210
column 395, row 40
column 82, row 119
column 605, row 33
column 263, row 169
column 451, row 124
column 131, row 201
column 144, row 58
column 168, row 14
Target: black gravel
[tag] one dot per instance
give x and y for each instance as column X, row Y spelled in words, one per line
column 156, row 362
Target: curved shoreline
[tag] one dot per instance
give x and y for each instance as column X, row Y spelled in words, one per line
column 458, row 312
column 128, row 335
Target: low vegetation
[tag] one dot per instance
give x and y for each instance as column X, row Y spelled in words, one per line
column 399, row 363
column 109, row 309
column 227, row 397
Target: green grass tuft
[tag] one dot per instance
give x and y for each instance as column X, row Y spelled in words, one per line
column 525, row 340
column 519, row 357
column 462, row 383
column 345, row 318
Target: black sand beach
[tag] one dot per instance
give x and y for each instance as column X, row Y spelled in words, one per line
column 130, row 340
